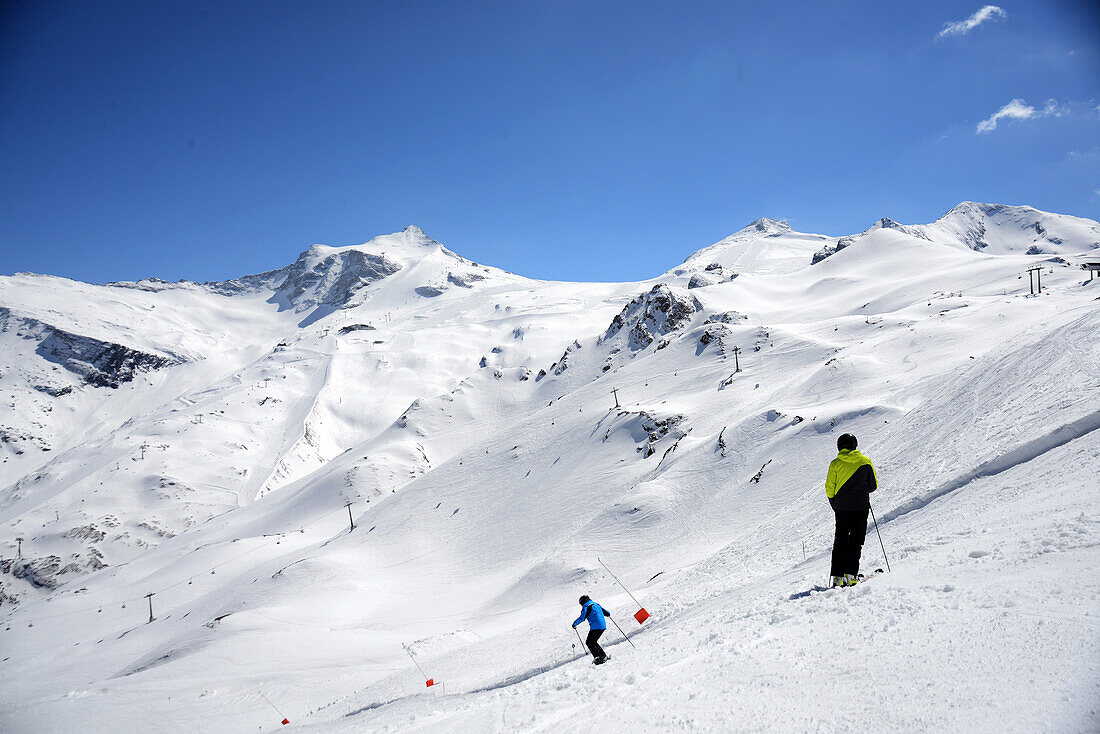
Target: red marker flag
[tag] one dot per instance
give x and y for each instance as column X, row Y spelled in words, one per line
column 641, row 615
column 430, row 682
column 286, row 721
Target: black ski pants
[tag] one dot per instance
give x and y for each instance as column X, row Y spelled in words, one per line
column 851, row 529
column 594, row 645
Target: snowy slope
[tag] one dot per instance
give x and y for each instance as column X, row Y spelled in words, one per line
column 468, row 415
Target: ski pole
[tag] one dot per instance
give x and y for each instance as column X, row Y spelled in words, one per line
column 583, row 646
column 623, row 633
column 879, row 536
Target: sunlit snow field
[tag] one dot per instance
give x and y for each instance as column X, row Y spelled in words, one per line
column 467, row 415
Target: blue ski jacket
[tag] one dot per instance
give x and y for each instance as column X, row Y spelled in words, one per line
column 595, row 615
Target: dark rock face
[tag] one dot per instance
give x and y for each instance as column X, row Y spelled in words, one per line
column 429, row 291
column 315, row 280
column 355, row 327
column 656, row 313
column 41, row 572
column 563, row 364
column 832, row 249
column 648, row 430
column 464, row 280
column 86, row 532
column 98, row 363
column 712, row 275
column 333, row 280
column 54, row 390
column 712, row 333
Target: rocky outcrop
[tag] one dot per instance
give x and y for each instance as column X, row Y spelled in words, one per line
column 97, row 363
column 648, row 430
column 321, row 276
column 40, row 572
column 659, row 312
column 430, row 290
column 465, row 280
column 355, row 327
column 830, row 250
column 712, row 274
column 562, row 364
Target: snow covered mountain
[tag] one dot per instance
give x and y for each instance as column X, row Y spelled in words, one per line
column 494, row 435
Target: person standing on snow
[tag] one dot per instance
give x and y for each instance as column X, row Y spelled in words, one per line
column 597, row 625
column 848, row 486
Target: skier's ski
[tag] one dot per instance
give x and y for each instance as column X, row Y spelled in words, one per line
column 819, row 588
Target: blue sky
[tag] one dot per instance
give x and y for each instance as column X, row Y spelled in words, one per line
column 569, row 140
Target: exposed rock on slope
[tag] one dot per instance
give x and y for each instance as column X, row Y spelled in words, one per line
column 97, row 363
column 659, row 312
column 321, row 276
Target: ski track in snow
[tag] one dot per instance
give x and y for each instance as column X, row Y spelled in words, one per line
column 1011, row 459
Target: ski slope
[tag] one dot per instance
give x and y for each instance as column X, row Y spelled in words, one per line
column 467, row 415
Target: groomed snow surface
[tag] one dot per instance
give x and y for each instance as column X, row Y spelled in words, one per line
column 200, row 442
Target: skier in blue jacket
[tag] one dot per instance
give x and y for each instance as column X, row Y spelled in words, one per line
column 597, row 625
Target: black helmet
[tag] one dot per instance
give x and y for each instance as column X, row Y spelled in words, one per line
column 846, row 442
column 584, row 599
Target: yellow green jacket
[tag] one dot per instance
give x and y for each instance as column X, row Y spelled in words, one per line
column 850, row 481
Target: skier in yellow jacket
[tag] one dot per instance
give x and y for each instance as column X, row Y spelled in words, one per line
column 850, row 481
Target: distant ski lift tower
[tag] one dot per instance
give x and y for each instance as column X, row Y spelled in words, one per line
column 20, row 542
column 1035, row 278
column 615, row 392
column 736, row 360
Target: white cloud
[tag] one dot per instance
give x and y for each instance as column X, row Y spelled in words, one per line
column 1018, row 109
column 962, row 27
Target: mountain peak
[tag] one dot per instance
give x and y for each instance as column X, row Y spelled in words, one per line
column 978, row 209
column 770, row 226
